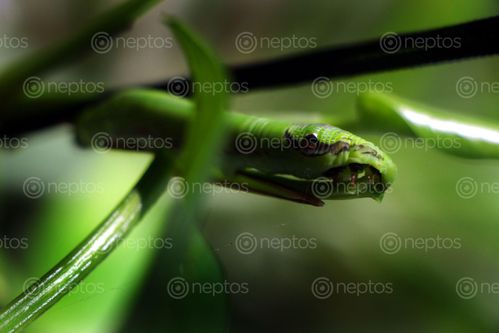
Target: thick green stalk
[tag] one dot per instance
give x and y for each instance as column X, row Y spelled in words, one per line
column 71, row 270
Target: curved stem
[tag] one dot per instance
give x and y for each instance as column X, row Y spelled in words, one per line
column 71, row 270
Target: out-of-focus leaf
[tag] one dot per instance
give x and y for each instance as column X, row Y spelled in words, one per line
column 112, row 21
column 191, row 260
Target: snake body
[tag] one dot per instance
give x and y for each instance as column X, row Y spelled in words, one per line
column 283, row 153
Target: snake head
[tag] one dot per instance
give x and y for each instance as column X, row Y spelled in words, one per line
column 339, row 164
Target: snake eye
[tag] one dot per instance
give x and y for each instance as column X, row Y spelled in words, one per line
column 312, row 139
column 310, row 144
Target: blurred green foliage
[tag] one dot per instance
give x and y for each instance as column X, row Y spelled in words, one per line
column 424, row 202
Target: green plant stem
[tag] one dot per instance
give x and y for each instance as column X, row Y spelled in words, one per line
column 71, row 270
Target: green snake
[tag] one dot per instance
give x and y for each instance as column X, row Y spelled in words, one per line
column 301, row 162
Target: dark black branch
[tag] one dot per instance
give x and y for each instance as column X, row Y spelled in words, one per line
column 468, row 40
column 472, row 39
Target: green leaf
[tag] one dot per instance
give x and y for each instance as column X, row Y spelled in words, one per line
column 191, row 258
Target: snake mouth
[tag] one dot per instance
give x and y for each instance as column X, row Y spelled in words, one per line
column 354, row 179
